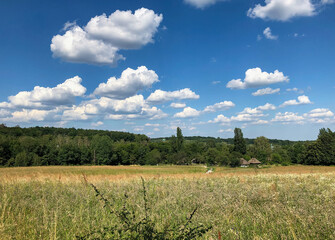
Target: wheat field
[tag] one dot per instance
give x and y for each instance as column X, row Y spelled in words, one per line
column 293, row 202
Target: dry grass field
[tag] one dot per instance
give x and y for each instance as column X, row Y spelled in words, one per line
column 293, row 202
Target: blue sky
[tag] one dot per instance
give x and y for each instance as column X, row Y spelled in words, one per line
column 149, row 66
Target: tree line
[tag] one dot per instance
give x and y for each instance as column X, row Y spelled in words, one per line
column 39, row 146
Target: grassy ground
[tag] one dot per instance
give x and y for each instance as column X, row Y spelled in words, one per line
column 295, row 202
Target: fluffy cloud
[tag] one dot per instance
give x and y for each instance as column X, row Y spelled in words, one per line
column 219, row 106
column 267, row 107
column 130, row 82
column 248, row 115
column 268, row 34
column 160, row 96
column 125, row 30
column 76, row 46
column 46, row 97
column 151, row 113
column 302, row 100
column 105, row 105
column 101, row 39
column 319, row 115
column 254, row 77
column 265, row 91
column 130, row 108
column 320, row 112
column 288, row 117
column 31, row 115
column 202, row 3
column 76, row 113
column 188, row 113
column 178, row 105
column 283, row 10
column 223, row 120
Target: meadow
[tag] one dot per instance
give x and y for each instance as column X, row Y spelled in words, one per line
column 292, row 202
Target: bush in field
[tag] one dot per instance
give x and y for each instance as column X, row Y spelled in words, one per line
column 131, row 226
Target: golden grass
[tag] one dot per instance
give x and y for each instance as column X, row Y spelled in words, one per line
column 117, row 173
column 293, row 202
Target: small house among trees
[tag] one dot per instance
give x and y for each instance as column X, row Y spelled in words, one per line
column 244, row 163
column 254, row 162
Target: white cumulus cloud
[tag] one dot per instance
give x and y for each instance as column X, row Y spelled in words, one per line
column 134, row 107
column 288, row 117
column 221, row 106
column 267, row 107
column 130, row 82
column 254, row 77
column 265, row 91
column 223, row 120
column 268, row 34
column 46, row 97
column 31, row 115
column 188, row 113
column 100, row 40
column 160, row 96
column 302, row 100
column 319, row 113
column 283, row 10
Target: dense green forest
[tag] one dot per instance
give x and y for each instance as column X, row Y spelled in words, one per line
column 60, row 146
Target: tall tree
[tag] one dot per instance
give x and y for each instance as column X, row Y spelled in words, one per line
column 239, row 142
column 180, row 139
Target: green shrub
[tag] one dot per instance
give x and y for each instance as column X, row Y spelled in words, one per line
column 132, row 226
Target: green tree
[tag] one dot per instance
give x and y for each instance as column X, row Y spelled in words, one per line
column 313, row 155
column 239, row 142
column 212, row 156
column 102, row 147
column 180, row 139
column 153, row 157
column 173, row 143
column 262, row 149
column 21, row 160
column 283, row 153
column 235, row 159
column 296, row 152
column 326, row 142
column 225, row 155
